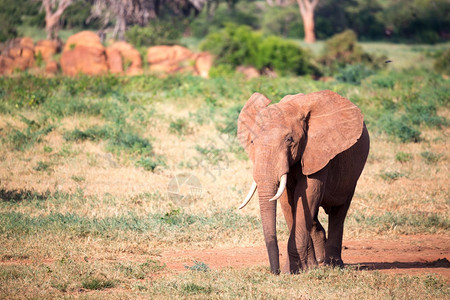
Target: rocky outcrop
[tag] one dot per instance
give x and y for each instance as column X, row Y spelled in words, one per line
column 46, row 49
column 170, row 59
column 131, row 58
column 175, row 59
column 17, row 54
column 84, row 53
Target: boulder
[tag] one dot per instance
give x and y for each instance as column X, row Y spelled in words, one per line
column 84, row 53
column 130, row 57
column 170, row 59
column 249, row 72
column 51, row 68
column 84, row 59
column 6, row 65
column 84, row 38
column 46, row 48
column 114, row 61
column 203, row 64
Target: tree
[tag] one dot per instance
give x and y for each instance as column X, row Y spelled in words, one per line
column 53, row 11
column 307, row 12
column 140, row 12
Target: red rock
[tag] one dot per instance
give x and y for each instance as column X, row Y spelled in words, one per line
column 203, row 64
column 46, row 48
column 130, row 56
column 84, row 53
column 249, row 72
column 84, row 59
column 51, row 68
column 114, row 60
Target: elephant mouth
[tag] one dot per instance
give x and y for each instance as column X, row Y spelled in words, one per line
column 251, row 192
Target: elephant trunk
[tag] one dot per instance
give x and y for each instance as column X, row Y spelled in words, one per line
column 268, row 219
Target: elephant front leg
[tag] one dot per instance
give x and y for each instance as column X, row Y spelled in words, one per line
column 307, row 238
column 319, row 239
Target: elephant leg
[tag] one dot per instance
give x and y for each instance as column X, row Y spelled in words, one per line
column 333, row 246
column 288, row 208
column 307, row 196
column 319, row 239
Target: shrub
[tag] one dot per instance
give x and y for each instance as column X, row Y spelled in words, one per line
column 159, row 32
column 353, row 74
column 403, row 157
column 442, row 63
column 240, row 45
column 399, row 128
column 342, row 49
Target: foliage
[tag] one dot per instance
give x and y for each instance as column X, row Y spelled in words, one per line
column 353, row 74
column 12, row 14
column 442, row 63
column 77, row 15
column 361, row 16
column 283, row 21
column 420, row 21
column 239, row 45
column 243, row 13
column 342, row 50
column 158, row 32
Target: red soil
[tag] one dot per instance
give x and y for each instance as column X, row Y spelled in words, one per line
column 413, row 255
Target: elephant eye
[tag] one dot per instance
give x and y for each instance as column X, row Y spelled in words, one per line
column 289, row 140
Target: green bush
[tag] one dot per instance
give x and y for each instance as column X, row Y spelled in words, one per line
column 353, row 74
column 342, row 49
column 158, row 32
column 399, row 128
column 442, row 63
column 240, row 45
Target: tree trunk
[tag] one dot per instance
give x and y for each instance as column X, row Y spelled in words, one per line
column 52, row 16
column 307, row 12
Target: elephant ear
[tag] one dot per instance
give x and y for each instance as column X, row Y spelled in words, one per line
column 334, row 125
column 248, row 115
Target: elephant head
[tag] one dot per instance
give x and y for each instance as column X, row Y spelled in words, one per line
column 302, row 130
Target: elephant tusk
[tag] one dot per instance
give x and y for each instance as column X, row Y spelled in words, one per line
column 249, row 195
column 281, row 188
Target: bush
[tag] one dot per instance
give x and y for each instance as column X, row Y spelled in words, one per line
column 240, row 45
column 342, row 50
column 159, row 32
column 442, row 63
column 353, row 74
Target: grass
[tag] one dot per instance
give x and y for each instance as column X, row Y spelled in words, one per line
column 85, row 165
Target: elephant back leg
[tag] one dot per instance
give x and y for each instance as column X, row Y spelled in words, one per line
column 333, row 245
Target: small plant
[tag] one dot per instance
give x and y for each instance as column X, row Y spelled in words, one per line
column 78, row 179
column 42, row 166
column 193, row 288
column 180, row 126
column 430, row 158
column 48, row 149
column 150, row 163
column 391, row 176
column 353, row 74
column 198, row 266
column 97, row 284
column 403, row 157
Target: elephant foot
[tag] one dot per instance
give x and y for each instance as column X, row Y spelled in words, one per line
column 334, row 262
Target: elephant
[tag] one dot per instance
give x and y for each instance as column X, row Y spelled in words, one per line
column 308, row 151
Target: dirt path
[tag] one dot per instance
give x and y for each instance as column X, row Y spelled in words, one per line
column 412, row 255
